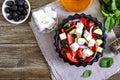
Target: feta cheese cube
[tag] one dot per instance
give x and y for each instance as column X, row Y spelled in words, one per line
column 79, row 28
column 80, row 25
column 91, row 42
column 81, row 41
column 74, row 46
column 87, row 35
column 79, row 31
column 87, row 52
column 62, row 36
column 48, row 10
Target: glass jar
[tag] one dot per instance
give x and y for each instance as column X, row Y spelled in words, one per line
column 76, row 5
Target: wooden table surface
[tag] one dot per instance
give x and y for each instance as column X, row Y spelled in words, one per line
column 20, row 56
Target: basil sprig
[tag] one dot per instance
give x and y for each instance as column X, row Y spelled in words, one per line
column 111, row 11
column 86, row 73
column 106, row 62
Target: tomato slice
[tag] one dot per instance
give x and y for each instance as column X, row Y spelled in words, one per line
column 83, row 20
column 62, row 30
column 80, row 53
column 91, row 24
column 94, row 48
column 88, row 59
column 73, row 26
column 70, row 57
column 94, row 35
column 70, row 38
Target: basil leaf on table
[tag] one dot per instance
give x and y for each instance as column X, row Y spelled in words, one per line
column 106, row 62
column 107, row 23
column 87, row 73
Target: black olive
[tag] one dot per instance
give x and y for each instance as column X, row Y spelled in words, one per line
column 16, row 19
column 25, row 12
column 22, row 17
column 15, row 15
column 25, row 5
column 19, row 13
column 10, row 3
column 10, row 17
column 20, row 8
column 14, row 8
column 7, row 9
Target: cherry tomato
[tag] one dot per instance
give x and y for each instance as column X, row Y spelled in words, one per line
column 94, row 48
column 70, row 57
column 88, row 59
column 70, row 38
column 94, row 35
column 91, row 24
column 80, row 53
column 62, row 30
column 83, row 20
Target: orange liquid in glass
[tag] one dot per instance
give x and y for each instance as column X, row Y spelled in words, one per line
column 76, row 5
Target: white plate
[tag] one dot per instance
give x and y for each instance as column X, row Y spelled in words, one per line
column 12, row 21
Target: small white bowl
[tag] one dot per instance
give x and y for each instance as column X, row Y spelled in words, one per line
column 12, row 21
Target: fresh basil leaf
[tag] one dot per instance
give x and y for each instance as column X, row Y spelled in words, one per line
column 106, row 62
column 112, row 23
column 113, row 5
column 107, row 23
column 107, row 1
column 87, row 73
column 117, row 3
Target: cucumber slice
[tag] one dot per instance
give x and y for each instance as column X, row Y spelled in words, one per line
column 98, row 31
column 99, row 42
column 72, row 31
column 66, row 26
column 100, row 49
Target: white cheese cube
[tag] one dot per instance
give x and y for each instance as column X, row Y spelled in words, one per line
column 81, row 41
column 87, row 35
column 87, row 52
column 80, row 25
column 54, row 14
column 48, row 10
column 74, row 46
column 62, row 36
column 78, row 31
column 44, row 19
column 50, row 24
column 91, row 42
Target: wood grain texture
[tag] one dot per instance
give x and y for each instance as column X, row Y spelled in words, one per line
column 20, row 57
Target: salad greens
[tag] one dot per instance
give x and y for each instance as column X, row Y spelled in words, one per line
column 111, row 11
column 87, row 73
column 106, row 62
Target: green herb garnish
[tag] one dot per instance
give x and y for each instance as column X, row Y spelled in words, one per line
column 87, row 73
column 111, row 11
column 106, row 62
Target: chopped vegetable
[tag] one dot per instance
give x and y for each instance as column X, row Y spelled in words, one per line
column 106, row 62
column 66, row 26
column 99, row 42
column 100, row 49
column 87, row 73
column 98, row 31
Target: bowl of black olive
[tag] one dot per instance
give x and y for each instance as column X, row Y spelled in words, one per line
column 16, row 11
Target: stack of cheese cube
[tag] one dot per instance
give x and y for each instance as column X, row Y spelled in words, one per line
column 45, row 18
